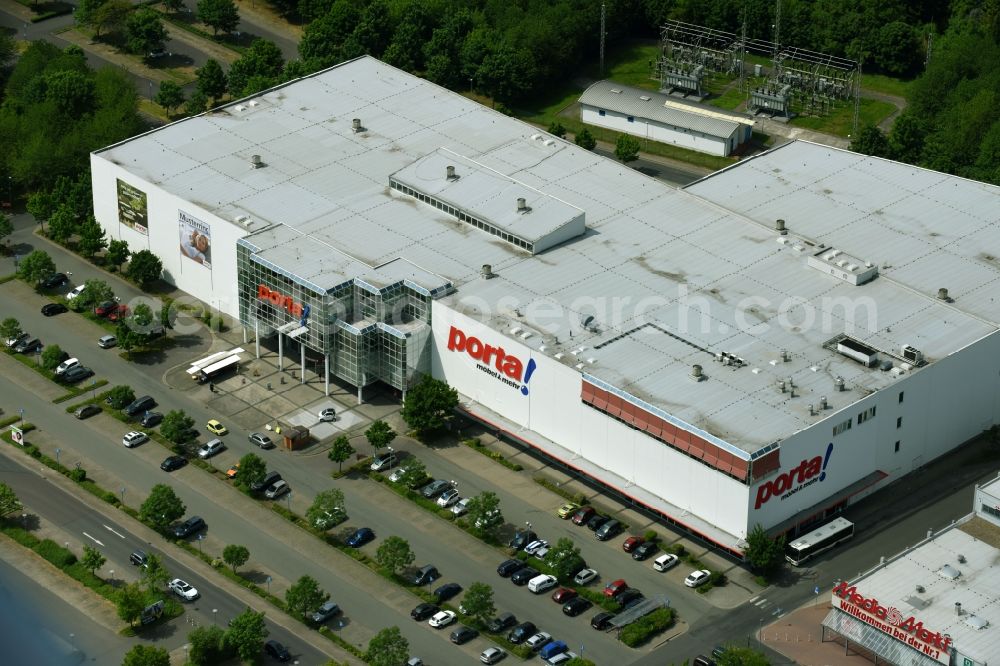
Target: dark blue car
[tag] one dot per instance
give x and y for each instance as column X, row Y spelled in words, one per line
column 360, row 537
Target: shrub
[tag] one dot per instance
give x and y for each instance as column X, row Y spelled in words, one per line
column 642, row 629
column 56, row 554
column 78, row 474
column 651, row 535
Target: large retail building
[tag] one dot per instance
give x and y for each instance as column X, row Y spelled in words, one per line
column 764, row 346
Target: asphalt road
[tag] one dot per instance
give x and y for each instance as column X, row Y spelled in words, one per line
column 116, row 542
column 671, row 175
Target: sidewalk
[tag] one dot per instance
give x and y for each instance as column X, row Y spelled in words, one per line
column 798, row 636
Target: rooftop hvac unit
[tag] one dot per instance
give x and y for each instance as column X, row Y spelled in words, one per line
column 912, row 355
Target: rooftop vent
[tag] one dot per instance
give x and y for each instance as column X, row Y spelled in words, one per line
column 912, row 355
column 976, row 622
column 920, row 589
column 449, row 172
column 356, row 125
column 522, row 206
column 943, row 295
column 822, row 402
column 645, row 98
column 487, row 272
column 245, row 220
column 958, row 608
column 616, row 91
column 784, row 355
column 255, row 162
column 590, row 324
column 961, row 558
column 254, row 102
column 779, row 226
column 838, row 383
column 696, row 374
column 949, row 572
column 859, row 351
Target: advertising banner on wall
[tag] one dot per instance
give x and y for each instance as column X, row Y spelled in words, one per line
column 133, row 210
column 196, row 239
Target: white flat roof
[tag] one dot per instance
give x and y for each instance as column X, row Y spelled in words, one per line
column 671, row 278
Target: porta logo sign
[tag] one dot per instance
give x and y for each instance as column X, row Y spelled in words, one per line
column 891, row 621
column 278, row 299
column 808, row 472
column 494, row 361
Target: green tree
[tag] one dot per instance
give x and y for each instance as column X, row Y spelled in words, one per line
column 906, row 140
column 741, row 656
column 94, row 292
column 762, row 552
column 170, row 96
column 304, row 596
column 162, row 507
column 126, row 336
column 120, row 396
column 394, row 554
column 146, row 655
column 556, row 129
column 6, row 227
column 341, row 451
column 565, row 559
column 207, row 646
column 10, row 328
column 41, row 204
column 380, row 434
column 429, row 405
column 142, row 317
column 9, row 503
column 92, row 238
column 327, row 508
column 51, row 357
column 219, row 15
column 580, row 661
column 585, row 139
column 130, row 601
column 154, row 575
column 478, row 602
column 173, row 5
column 870, row 141
column 253, row 469
column 196, row 104
column 176, row 427
column 35, row 267
column 260, row 67
column 413, row 470
column 144, row 31
column 110, row 16
column 387, row 648
column 62, row 224
column 92, row 559
column 86, row 10
column 212, row 81
column 484, row 513
column 235, row 555
column 627, row 148
column 144, row 268
column 118, row 253
column 322, row 38
column 246, row 635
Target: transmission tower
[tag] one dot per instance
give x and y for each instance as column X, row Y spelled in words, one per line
column 602, row 38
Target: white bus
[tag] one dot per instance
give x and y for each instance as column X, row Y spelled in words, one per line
column 819, row 540
column 212, row 371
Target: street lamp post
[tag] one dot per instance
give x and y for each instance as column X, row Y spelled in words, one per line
column 215, row 616
column 58, row 451
column 123, row 495
column 269, row 585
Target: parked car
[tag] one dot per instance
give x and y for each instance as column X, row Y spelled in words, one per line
column 261, row 440
column 269, row 480
column 492, row 655
column 327, row 611
column 278, row 489
column 435, row 488
column 665, row 561
column 564, row 594
column 447, row 591
column 184, row 590
column 461, row 507
column 537, row 641
column 140, row 405
column 583, row 514
column 119, row 312
column 552, row 649
column 596, row 521
column 463, row 635
column 614, row 587
column 75, row 291
column 86, row 411
column 696, row 578
column 644, row 550
column 383, row 461
column 328, row 414
column 521, row 539
column 601, row 621
column 51, row 309
column 576, row 605
column 150, row 419
column 426, row 574
column 522, row 576
column 626, row 598
column 584, row 576
column 28, row 346
column 702, row 660
column 423, row 611
column 631, row 543
column 501, row 622
column 397, row 474
column 561, row 658
column 66, row 365
column 107, row 341
column 535, row 546
column 104, row 308
column 216, row 428
column 567, row 510
column 360, row 537
column 276, row 650
column 541, row 583
column 173, row 463
column 189, row 527
column 76, row 374
column 448, row 498
column 54, row 280
column 134, row 438
column 12, row 343
column 521, row 632
column 441, row 619
column 138, row 558
column 211, row 448
column 233, row 471
column 608, row 530
column 719, row 651
column 508, row 567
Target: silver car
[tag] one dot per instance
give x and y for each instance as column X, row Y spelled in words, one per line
column 210, row 449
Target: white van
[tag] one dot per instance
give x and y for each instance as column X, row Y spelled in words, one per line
column 66, row 365
column 541, row 582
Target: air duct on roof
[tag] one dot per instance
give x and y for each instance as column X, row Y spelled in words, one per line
column 356, row 125
column 522, row 205
column 779, row 225
column 696, row 374
column 255, row 162
column 943, row 295
column 487, row 272
column 450, row 173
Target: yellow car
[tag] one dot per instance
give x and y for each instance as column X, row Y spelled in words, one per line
column 567, row 509
column 216, row 428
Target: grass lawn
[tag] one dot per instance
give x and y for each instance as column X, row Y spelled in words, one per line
column 630, row 64
column 885, row 84
column 840, row 122
column 730, row 100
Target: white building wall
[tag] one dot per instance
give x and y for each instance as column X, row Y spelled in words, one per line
column 647, row 129
column 215, row 286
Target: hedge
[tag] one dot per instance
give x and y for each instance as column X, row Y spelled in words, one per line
column 642, row 629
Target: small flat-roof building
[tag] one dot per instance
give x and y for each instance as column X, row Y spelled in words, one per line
column 659, row 117
column 935, row 603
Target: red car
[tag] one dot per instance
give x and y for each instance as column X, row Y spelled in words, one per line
column 120, row 312
column 614, row 587
column 583, row 514
column 632, row 543
column 105, row 308
column 563, row 594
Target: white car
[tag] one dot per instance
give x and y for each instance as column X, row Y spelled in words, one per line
column 461, row 507
column 328, row 414
column 442, row 619
column 210, row 449
column 541, row 583
column 561, row 658
column 134, row 438
column 76, row 291
column 585, row 576
column 533, row 547
column 397, row 474
column 538, row 641
column 448, row 498
column 666, row 561
column 492, row 655
column 66, row 365
column 183, row 590
column 696, row 578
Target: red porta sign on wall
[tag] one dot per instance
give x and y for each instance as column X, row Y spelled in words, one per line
column 278, row 299
column 891, row 621
column 493, row 360
column 808, row 472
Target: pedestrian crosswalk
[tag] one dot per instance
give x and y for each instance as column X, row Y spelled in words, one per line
column 768, row 606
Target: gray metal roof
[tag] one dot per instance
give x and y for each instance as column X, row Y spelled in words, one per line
column 703, row 266
column 662, row 108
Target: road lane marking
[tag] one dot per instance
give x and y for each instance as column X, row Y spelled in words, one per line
column 93, row 539
column 113, row 532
